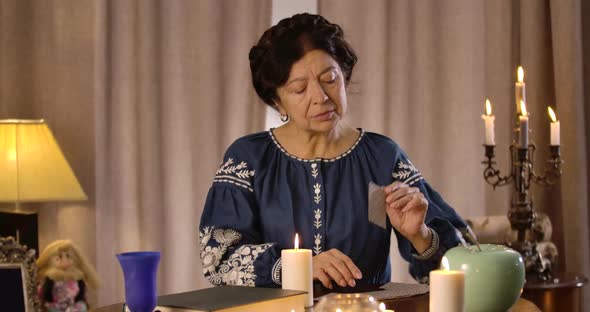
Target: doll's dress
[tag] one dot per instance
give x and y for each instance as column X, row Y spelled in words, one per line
column 64, row 294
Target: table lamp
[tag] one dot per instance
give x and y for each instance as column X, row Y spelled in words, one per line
column 32, row 166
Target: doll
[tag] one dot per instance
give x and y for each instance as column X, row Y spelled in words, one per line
column 64, row 275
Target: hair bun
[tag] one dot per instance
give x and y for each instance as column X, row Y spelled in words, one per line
column 256, row 53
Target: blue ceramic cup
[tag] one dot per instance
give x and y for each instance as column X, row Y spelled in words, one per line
column 140, row 270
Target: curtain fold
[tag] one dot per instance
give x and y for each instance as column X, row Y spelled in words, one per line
column 176, row 94
column 566, row 35
column 143, row 97
column 46, row 72
column 424, row 71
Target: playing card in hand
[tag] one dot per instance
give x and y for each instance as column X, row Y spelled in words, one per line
column 377, row 214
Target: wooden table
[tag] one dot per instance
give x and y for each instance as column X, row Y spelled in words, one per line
column 416, row 303
column 420, row 303
column 562, row 292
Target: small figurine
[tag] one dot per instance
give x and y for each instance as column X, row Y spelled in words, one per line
column 64, row 273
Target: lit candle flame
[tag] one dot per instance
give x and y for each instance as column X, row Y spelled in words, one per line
column 551, row 114
column 445, row 264
column 523, row 108
column 382, row 306
column 488, row 107
column 520, row 74
column 296, row 241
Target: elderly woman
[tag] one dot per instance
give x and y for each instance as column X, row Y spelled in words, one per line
column 311, row 176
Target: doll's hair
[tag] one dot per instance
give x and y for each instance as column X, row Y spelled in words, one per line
column 90, row 276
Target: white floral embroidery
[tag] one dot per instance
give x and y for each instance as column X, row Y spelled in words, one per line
column 238, row 269
column 238, row 174
column 318, row 241
column 314, row 170
column 210, row 257
column 317, row 215
column 205, row 235
column 226, row 237
column 276, row 271
column 239, row 170
column 406, row 173
column 317, row 191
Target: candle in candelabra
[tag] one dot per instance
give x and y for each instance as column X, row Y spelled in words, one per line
column 520, row 89
column 297, row 270
column 554, row 127
column 488, row 119
column 523, row 120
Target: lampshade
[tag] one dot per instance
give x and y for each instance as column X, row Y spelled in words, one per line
column 32, row 166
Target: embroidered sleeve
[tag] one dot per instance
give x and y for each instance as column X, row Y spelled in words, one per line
column 440, row 218
column 232, row 248
column 406, row 172
column 227, row 262
column 235, row 172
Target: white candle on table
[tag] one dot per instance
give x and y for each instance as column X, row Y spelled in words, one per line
column 523, row 120
column 297, row 271
column 447, row 289
column 488, row 119
column 519, row 89
column 554, row 127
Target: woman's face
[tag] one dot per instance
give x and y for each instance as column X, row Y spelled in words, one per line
column 314, row 95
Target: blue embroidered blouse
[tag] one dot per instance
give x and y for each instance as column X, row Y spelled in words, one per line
column 261, row 196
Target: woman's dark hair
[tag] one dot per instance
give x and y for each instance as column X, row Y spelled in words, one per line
column 285, row 43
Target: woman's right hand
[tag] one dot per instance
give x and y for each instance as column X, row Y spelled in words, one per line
column 333, row 265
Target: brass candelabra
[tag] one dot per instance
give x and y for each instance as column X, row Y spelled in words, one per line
column 521, row 213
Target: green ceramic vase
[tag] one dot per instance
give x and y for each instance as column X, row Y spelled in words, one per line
column 494, row 276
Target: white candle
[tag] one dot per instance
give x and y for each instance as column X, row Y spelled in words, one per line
column 447, row 289
column 554, row 127
column 523, row 120
column 297, row 271
column 519, row 89
column 488, row 119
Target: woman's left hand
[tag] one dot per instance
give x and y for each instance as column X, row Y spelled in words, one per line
column 406, row 207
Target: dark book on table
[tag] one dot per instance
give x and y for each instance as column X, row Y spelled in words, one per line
column 234, row 298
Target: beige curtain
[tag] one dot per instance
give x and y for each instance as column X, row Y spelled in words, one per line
column 173, row 92
column 425, row 68
column 143, row 97
column 46, row 71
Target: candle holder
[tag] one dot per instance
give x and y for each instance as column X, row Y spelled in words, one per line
column 521, row 213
